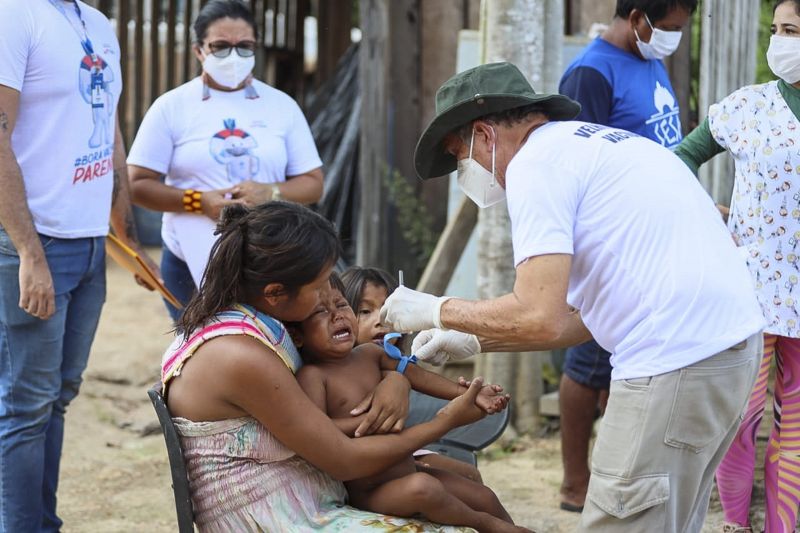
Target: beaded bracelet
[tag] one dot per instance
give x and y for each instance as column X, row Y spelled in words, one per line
column 191, row 201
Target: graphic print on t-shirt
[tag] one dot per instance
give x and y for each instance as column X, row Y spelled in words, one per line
column 666, row 120
column 233, row 147
column 95, row 78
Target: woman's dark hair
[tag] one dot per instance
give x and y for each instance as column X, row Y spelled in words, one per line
column 356, row 278
column 276, row 242
column 795, row 2
column 655, row 9
column 220, row 9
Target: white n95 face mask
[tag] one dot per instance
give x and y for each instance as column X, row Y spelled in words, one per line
column 783, row 57
column 478, row 183
column 662, row 43
column 229, row 71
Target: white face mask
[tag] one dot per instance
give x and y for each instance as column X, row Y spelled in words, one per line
column 477, row 182
column 662, row 43
column 783, row 57
column 229, row 71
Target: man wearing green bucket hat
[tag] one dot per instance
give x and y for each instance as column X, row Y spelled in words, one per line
column 613, row 239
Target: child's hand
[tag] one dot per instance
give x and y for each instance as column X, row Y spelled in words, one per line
column 491, row 400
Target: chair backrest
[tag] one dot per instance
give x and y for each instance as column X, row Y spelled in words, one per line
column 180, row 481
column 470, row 438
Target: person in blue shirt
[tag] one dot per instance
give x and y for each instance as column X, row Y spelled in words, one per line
column 620, row 81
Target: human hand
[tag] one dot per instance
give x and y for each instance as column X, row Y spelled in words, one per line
column 252, row 193
column 387, row 404
column 491, row 398
column 37, row 296
column 408, row 310
column 437, row 346
column 212, row 202
column 463, row 410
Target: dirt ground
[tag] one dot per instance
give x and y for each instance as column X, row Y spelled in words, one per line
column 115, row 476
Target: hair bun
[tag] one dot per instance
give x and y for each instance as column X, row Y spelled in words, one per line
column 232, row 217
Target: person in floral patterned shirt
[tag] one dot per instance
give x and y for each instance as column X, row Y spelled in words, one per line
column 758, row 126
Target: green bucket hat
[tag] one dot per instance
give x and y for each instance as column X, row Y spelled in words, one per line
column 475, row 93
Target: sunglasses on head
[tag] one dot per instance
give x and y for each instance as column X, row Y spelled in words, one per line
column 223, row 48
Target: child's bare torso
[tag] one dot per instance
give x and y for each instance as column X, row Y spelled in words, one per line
column 347, row 383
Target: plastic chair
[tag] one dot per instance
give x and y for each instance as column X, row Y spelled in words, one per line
column 460, row 443
column 180, row 481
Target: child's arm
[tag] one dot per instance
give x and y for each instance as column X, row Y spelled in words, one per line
column 312, row 381
column 489, row 399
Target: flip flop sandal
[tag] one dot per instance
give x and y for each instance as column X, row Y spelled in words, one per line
column 565, row 506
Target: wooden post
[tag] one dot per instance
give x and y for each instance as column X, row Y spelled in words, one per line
column 389, row 74
column 441, row 21
column 333, row 36
column 447, row 253
column 583, row 13
column 729, row 31
column 374, row 55
column 679, row 66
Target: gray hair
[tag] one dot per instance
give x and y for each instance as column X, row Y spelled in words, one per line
column 509, row 117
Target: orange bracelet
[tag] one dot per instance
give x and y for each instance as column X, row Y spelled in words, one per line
column 191, row 201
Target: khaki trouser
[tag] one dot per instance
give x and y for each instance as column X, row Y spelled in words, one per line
column 661, row 440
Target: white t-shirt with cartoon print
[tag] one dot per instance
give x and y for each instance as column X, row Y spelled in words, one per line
column 63, row 138
column 655, row 273
column 215, row 144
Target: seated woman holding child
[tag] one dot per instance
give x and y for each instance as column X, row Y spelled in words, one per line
column 261, row 455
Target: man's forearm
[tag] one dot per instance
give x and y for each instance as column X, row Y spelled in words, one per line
column 574, row 333
column 15, row 217
column 506, row 318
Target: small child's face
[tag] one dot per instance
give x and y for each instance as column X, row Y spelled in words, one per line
column 330, row 331
column 370, row 328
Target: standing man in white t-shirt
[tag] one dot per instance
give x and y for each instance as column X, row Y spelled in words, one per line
column 62, row 175
column 645, row 266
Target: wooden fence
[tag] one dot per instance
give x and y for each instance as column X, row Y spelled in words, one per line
column 156, row 40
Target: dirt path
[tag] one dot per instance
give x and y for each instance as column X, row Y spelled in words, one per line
column 115, row 477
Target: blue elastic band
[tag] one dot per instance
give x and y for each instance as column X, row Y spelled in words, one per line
column 395, row 353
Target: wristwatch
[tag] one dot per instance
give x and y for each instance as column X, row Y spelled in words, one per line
column 276, row 193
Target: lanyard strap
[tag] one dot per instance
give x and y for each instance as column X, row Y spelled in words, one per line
column 80, row 31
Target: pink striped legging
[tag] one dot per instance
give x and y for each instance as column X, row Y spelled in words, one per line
column 782, row 463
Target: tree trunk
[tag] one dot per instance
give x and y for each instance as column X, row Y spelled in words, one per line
column 527, row 33
column 729, row 31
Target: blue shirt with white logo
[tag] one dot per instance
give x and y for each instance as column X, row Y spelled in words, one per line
column 619, row 89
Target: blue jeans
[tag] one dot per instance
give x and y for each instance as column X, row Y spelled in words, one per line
column 178, row 279
column 41, row 362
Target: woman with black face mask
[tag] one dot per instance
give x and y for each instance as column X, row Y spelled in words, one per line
column 758, row 126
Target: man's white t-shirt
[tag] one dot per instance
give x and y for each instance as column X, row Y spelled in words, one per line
column 63, row 138
column 215, row 144
column 655, row 273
